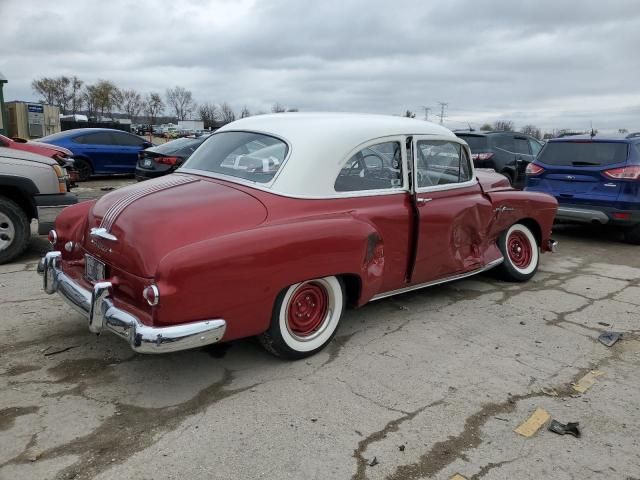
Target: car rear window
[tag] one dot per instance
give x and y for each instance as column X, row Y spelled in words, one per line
column 583, row 153
column 181, row 146
column 251, row 156
column 476, row 143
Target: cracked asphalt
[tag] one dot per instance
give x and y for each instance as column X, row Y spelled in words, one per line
column 422, row 385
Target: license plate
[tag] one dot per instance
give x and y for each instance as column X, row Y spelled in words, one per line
column 93, row 269
column 147, row 163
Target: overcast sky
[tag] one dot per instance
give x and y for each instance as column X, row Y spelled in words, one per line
column 556, row 64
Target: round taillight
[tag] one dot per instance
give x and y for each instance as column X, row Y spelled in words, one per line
column 53, row 237
column 69, row 246
column 151, row 295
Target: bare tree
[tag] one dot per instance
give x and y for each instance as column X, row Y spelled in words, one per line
column 208, row 114
column 90, row 96
column 225, row 114
column 47, row 88
column 105, row 96
column 622, row 131
column 532, row 130
column 153, row 106
column 503, row 126
column 277, row 108
column 181, row 101
column 486, row 127
column 54, row 91
column 131, row 103
column 244, row 113
column 409, row 114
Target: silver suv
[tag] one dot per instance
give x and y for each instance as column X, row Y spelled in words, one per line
column 31, row 187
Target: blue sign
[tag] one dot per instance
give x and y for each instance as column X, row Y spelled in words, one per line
column 35, row 108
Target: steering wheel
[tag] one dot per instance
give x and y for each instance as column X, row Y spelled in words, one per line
column 374, row 155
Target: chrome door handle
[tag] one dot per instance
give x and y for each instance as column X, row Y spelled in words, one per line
column 423, row 201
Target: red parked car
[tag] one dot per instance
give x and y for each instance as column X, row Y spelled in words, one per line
column 63, row 156
column 278, row 222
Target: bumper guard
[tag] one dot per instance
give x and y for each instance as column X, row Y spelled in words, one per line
column 97, row 305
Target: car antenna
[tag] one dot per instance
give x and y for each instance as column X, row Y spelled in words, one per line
column 471, row 129
column 593, row 133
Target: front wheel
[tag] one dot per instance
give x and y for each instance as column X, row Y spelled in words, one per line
column 84, row 169
column 521, row 253
column 305, row 318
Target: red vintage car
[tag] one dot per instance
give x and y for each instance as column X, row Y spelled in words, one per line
column 278, row 222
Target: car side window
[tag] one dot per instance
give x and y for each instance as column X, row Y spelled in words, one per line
column 535, row 147
column 376, row 167
column 521, row 145
column 505, row 142
column 127, row 140
column 441, row 162
column 100, row 138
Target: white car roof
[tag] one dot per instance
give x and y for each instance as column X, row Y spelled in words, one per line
column 320, row 143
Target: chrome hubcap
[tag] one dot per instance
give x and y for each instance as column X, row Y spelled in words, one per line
column 7, row 231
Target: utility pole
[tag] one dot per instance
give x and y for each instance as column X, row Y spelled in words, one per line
column 443, row 105
column 426, row 113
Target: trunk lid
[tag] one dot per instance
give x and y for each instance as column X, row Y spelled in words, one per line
column 158, row 216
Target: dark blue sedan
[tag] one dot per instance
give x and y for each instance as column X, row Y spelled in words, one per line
column 100, row 151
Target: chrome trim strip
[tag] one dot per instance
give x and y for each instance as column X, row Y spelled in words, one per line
column 97, row 305
column 459, row 276
column 118, row 207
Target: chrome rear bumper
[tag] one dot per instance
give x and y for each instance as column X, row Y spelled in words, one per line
column 97, row 305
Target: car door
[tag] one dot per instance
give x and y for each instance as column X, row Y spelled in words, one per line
column 453, row 215
column 97, row 147
column 125, row 150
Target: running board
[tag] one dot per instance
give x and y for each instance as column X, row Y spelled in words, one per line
column 460, row 276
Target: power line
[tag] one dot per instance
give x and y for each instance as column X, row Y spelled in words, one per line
column 443, row 105
column 426, row 112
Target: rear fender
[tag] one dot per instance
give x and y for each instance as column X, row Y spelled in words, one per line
column 238, row 277
column 513, row 206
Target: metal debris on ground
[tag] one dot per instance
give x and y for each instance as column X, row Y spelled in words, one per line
column 549, row 391
column 533, row 423
column 373, row 462
column 586, row 382
column 609, row 338
column 570, row 428
column 107, row 189
column 401, row 448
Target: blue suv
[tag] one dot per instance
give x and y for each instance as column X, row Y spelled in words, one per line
column 596, row 179
column 100, row 151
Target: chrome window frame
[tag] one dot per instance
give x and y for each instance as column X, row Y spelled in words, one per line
column 449, row 186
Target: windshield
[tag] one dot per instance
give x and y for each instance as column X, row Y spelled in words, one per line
column 183, row 146
column 251, row 156
column 583, row 153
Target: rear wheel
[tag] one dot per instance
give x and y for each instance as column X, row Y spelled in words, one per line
column 14, row 230
column 632, row 234
column 305, row 318
column 521, row 253
column 84, row 169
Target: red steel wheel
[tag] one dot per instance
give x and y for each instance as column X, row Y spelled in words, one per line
column 519, row 249
column 307, row 309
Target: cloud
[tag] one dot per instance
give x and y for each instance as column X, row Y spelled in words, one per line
column 554, row 64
